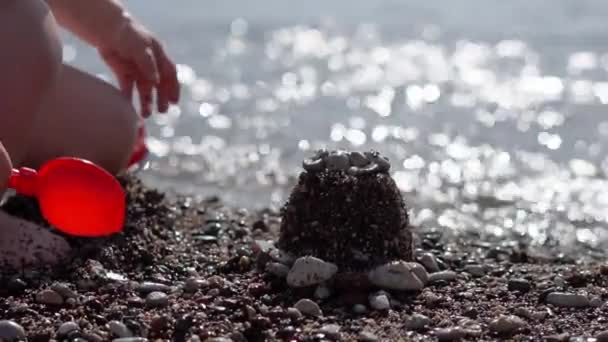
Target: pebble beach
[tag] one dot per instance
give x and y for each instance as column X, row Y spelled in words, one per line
column 482, row 218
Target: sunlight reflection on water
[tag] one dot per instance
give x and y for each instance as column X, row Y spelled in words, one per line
column 484, row 137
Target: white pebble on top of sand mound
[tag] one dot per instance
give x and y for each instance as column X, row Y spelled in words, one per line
column 23, row 243
column 399, row 275
column 308, row 270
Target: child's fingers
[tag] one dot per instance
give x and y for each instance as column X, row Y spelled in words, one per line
column 161, row 99
column 169, row 84
column 126, row 83
column 146, row 63
column 144, row 88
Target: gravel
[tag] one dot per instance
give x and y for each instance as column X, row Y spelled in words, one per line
column 219, row 291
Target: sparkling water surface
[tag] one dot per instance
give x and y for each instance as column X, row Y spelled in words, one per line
column 492, row 113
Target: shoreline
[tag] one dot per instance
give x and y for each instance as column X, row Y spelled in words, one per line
column 183, row 271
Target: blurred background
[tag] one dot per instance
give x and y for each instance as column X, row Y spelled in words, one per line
column 492, row 112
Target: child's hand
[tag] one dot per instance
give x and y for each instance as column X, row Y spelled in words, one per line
column 138, row 59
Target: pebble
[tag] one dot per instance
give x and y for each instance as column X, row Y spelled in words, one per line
column 417, row 322
column 11, row 331
column 147, row 287
column 420, row 272
column 92, row 337
column 559, row 282
column 475, row 270
column 193, row 284
column 382, row 161
column 313, row 165
column 294, row 313
column 49, row 297
column 366, row 336
column 219, row 339
column 379, row 301
column 322, row 292
column 359, row 308
column 237, row 337
column 308, row 307
column 449, row 334
column 337, row 161
column 262, row 247
column 602, row 336
column 429, row 261
column 217, row 281
column 16, row 284
column 596, row 302
column 157, row 299
column 159, row 323
column 399, row 275
column 119, row 329
column 331, row 331
column 567, row 299
column 277, row 269
column 281, row 257
column 244, row 262
column 63, row 290
column 130, row 339
column 565, row 337
column 507, row 325
column 308, row 270
column 67, row 327
column 357, row 159
column 442, row 276
column 518, row 284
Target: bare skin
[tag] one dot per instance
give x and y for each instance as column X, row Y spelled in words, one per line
column 49, row 110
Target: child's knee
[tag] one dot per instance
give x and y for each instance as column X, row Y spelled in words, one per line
column 124, row 139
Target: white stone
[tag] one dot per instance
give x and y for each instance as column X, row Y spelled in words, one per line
column 399, row 275
column 379, row 301
column 308, row 270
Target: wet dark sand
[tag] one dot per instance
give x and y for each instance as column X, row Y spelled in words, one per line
column 200, row 256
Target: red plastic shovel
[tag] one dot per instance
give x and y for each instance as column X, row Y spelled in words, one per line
column 75, row 195
column 141, row 150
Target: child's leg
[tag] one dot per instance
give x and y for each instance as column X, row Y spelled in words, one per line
column 30, row 61
column 85, row 117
